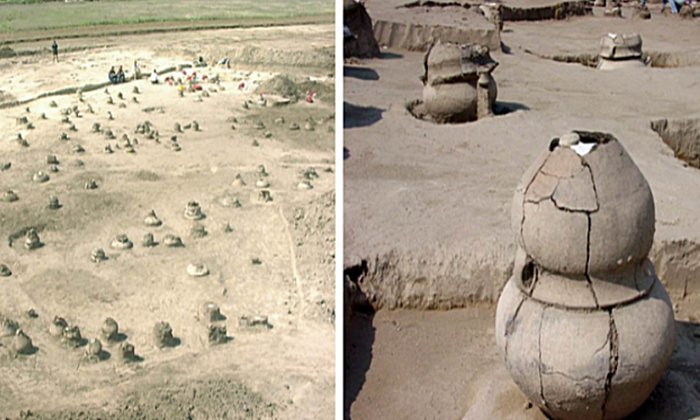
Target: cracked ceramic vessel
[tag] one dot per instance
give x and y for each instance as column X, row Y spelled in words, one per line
column 453, row 75
column 585, row 326
column 619, row 51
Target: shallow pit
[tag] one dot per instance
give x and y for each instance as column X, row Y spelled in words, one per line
column 682, row 137
column 417, row 110
column 653, row 59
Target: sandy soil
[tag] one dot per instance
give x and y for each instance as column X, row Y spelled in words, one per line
column 444, row 364
column 278, row 260
column 427, row 207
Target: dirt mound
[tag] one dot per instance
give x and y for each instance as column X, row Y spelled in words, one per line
column 556, row 11
column 210, row 399
column 7, row 52
column 361, row 42
column 296, row 88
column 321, row 57
column 317, row 58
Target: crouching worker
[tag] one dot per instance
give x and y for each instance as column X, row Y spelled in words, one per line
column 112, row 75
column 121, row 77
column 154, row 77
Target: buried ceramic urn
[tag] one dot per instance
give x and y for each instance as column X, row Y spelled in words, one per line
column 585, row 326
column 618, row 51
column 457, row 82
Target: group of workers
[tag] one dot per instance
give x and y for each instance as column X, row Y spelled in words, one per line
column 675, row 5
column 120, row 77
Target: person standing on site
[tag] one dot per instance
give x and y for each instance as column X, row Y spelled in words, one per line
column 54, row 49
column 137, row 70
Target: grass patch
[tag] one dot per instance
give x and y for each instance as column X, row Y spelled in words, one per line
column 29, row 15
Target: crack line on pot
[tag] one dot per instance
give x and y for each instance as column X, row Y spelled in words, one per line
column 614, row 359
column 588, row 260
column 510, row 326
column 539, row 358
column 522, row 205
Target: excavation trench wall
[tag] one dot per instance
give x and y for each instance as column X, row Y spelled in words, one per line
column 415, row 37
column 418, row 37
column 682, row 137
column 442, row 279
column 555, row 11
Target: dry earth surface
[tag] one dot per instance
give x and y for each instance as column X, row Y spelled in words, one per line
column 265, row 258
column 427, row 210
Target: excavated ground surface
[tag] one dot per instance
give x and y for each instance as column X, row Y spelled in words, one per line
column 457, row 372
column 436, row 232
column 277, row 261
column 415, row 28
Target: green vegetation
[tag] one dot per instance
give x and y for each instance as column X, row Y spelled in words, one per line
column 27, row 15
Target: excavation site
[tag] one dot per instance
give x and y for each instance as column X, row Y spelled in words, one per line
column 520, row 210
column 168, row 234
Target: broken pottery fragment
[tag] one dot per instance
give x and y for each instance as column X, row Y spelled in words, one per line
column 585, row 326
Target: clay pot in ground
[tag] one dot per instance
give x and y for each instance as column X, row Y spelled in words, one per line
column 109, row 329
column 126, row 352
column 22, row 344
column 585, row 326
column 58, row 324
column 454, row 77
column 557, row 206
column 163, row 335
column 618, row 51
column 455, row 102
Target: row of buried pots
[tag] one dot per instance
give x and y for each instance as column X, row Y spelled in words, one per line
column 70, row 336
column 193, row 211
column 458, row 85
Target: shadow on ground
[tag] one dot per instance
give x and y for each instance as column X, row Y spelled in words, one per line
column 503, row 108
column 359, row 335
column 676, row 397
column 390, row 56
column 362, row 73
column 360, row 116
